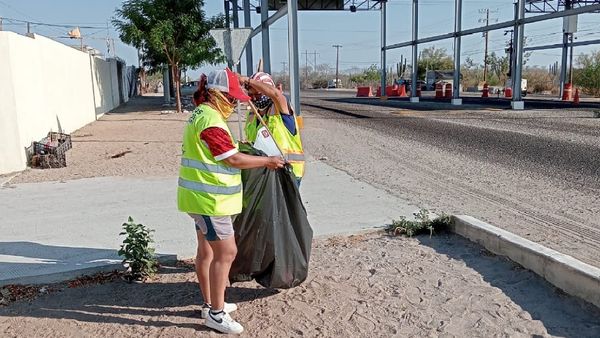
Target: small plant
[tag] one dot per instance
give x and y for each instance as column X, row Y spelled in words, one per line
column 137, row 252
column 421, row 224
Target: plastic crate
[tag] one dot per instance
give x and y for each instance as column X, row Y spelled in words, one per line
column 50, row 152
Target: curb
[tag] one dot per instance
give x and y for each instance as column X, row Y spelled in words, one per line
column 72, row 274
column 565, row 272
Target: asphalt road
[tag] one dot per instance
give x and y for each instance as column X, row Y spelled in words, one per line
column 534, row 172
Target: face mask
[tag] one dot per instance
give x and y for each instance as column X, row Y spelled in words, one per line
column 263, row 102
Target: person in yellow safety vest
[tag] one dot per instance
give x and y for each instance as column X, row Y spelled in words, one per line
column 210, row 189
column 276, row 110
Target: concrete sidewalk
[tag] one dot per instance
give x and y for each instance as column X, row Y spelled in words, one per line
column 58, row 230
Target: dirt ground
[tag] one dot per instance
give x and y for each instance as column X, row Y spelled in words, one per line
column 359, row 286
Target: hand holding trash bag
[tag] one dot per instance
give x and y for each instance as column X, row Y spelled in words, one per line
column 272, row 232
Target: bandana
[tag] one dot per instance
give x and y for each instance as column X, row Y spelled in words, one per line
column 263, row 102
column 221, row 103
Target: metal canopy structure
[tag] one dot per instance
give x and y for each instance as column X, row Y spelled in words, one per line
column 549, row 6
column 543, row 10
column 312, row 5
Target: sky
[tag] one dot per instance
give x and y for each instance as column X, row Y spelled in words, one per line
column 358, row 33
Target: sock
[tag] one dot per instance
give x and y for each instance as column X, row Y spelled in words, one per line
column 216, row 313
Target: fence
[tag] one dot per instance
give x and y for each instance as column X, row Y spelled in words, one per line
column 46, row 85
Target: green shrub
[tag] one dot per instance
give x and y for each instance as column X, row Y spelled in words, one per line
column 137, row 252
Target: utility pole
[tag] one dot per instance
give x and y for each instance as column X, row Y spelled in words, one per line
column 306, row 66
column 315, row 55
column 486, row 35
column 337, row 63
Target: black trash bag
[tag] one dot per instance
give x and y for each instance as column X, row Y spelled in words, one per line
column 272, row 233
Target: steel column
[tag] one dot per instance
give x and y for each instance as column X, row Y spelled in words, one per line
column 293, row 55
column 266, row 50
column 519, row 41
column 236, row 24
column 383, row 34
column 457, row 38
column 248, row 51
column 415, row 48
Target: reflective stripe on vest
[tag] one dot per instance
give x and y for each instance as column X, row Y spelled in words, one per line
column 217, row 169
column 207, row 188
column 294, row 157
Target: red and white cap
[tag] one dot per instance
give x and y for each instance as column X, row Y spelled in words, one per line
column 264, row 78
column 226, row 81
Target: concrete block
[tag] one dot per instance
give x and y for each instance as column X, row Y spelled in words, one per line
column 565, row 272
column 518, row 105
column 414, row 99
column 456, row 102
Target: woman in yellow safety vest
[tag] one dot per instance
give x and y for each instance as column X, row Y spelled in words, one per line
column 210, row 189
column 275, row 109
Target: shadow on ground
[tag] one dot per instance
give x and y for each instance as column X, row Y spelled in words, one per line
column 118, row 302
column 561, row 314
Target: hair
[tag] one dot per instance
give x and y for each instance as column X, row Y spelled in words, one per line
column 201, row 94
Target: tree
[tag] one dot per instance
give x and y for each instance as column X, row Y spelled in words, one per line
column 498, row 68
column 173, row 32
column 472, row 73
column 588, row 74
column 370, row 76
column 434, row 59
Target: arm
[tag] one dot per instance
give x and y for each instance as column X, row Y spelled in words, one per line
column 272, row 92
column 221, row 147
column 243, row 161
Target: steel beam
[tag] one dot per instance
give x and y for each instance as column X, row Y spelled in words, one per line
column 560, row 45
column 271, row 20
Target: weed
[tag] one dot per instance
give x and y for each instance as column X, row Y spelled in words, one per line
column 421, row 224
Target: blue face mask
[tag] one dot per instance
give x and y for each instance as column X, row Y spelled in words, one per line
column 263, row 102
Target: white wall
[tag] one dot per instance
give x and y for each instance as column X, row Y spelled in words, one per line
column 11, row 155
column 45, row 85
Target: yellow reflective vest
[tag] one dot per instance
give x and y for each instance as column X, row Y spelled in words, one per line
column 291, row 145
column 206, row 186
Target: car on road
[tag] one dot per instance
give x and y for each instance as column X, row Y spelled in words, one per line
column 188, row 89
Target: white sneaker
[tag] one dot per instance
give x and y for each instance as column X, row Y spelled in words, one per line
column 223, row 323
column 227, row 307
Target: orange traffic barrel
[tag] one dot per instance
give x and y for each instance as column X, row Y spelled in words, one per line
column 439, row 91
column 448, row 91
column 486, row 90
column 568, row 89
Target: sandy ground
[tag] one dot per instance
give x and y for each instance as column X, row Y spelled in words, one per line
column 359, row 286
column 533, row 173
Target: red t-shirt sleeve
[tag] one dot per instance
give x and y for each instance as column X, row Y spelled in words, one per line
column 219, row 143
